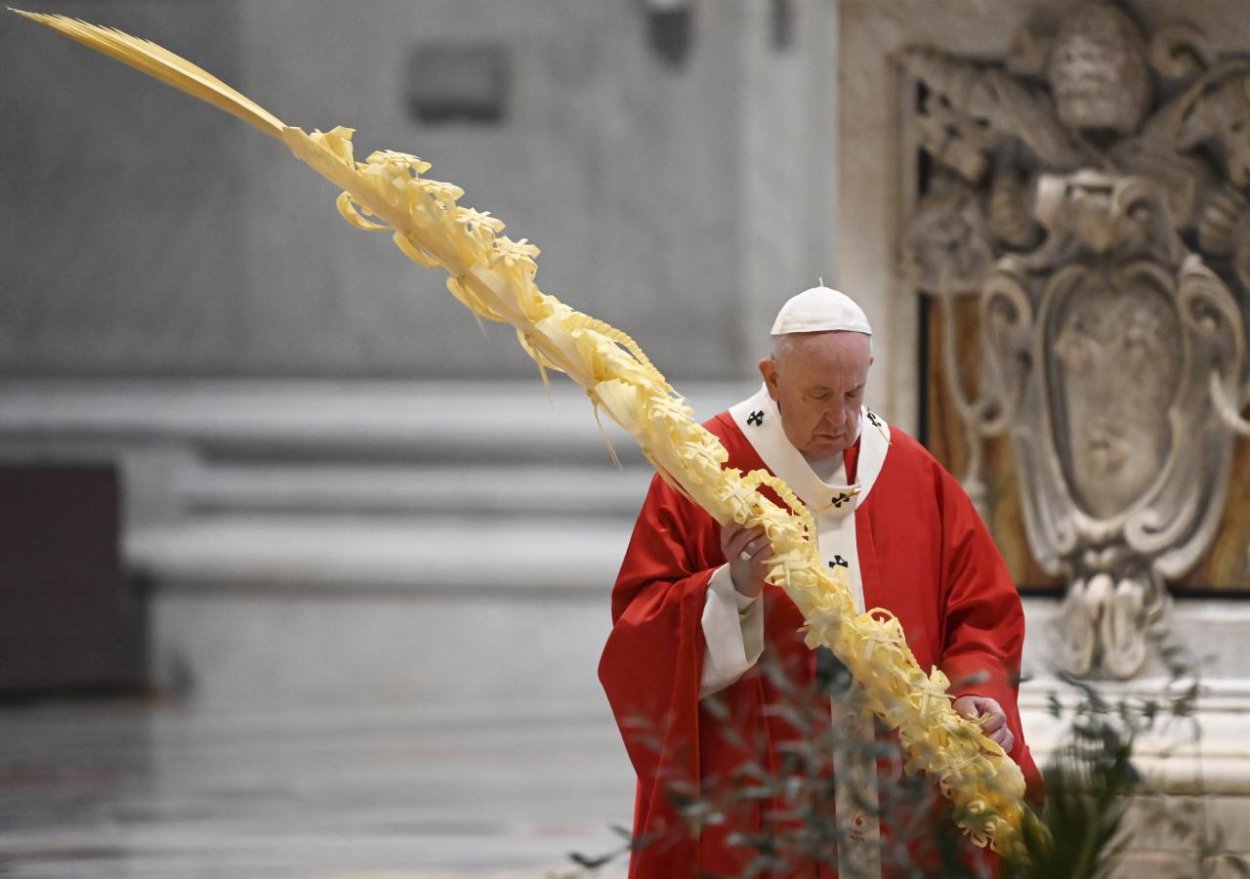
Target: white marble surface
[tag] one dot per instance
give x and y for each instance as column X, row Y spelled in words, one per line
column 155, row 791
column 105, row 790
column 185, row 244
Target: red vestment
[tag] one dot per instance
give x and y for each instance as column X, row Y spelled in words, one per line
column 924, row 555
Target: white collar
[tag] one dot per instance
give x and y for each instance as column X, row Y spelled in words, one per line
column 760, row 422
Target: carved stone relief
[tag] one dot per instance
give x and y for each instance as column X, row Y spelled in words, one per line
column 1092, row 193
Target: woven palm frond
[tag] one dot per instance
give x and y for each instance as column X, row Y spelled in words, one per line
column 162, row 64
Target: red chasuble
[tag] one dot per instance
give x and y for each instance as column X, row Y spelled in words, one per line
column 924, row 554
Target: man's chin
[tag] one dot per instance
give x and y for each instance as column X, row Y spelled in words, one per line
column 825, row 448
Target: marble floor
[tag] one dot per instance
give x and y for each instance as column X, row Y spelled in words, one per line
column 140, row 790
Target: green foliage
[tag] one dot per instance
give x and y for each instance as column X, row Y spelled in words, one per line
column 1089, row 781
column 1092, row 790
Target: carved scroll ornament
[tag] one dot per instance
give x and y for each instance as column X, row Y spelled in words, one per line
column 1103, row 346
column 1109, row 244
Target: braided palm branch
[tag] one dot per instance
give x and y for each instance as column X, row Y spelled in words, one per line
column 493, row 276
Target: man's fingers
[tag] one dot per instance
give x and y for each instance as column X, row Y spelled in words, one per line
column 734, row 532
column 984, row 711
column 744, row 540
column 756, row 551
column 966, row 706
column 742, row 547
column 759, row 541
column 992, row 722
column 747, row 550
column 989, row 714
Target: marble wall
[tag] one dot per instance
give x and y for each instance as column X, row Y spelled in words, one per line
column 879, row 173
column 120, row 234
column 145, row 234
column 877, row 163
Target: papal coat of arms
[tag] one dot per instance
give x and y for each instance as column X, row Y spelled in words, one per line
column 1091, row 191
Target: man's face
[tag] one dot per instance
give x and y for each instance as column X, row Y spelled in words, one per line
column 817, row 381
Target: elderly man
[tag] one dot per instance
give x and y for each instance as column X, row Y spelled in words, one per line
column 704, row 657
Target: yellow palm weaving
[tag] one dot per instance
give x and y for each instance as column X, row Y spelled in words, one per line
column 493, row 277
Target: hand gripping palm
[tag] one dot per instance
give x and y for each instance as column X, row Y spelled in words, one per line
column 493, row 277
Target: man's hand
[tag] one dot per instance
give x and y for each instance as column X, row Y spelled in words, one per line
column 747, row 550
column 989, row 714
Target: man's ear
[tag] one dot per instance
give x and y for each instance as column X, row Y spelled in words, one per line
column 768, row 369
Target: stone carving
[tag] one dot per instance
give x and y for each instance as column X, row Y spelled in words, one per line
column 1091, row 193
column 1098, row 71
column 1102, row 344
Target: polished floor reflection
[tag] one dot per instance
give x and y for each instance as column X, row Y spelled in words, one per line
column 130, row 790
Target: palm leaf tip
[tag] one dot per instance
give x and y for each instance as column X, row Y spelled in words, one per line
column 159, row 63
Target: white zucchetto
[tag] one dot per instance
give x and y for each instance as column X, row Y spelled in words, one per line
column 819, row 310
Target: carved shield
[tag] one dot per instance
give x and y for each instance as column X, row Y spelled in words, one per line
column 1103, row 346
column 1114, row 361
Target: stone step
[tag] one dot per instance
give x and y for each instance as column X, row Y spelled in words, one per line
column 328, row 421
column 192, row 449
column 252, row 611
column 505, row 489
column 452, row 555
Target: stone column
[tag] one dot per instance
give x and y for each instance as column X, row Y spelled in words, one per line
column 787, row 234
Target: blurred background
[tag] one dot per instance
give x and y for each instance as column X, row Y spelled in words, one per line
column 301, row 572
column 305, row 573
